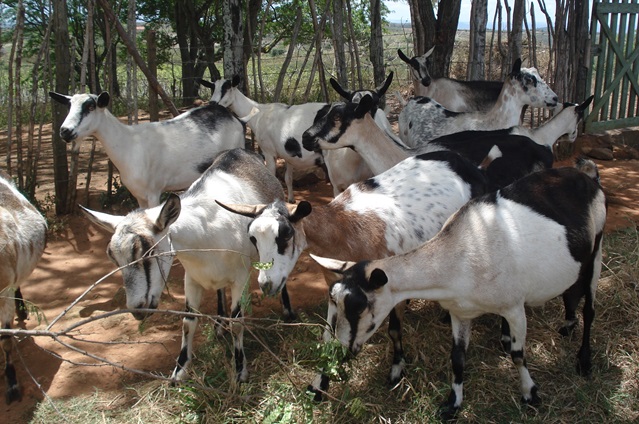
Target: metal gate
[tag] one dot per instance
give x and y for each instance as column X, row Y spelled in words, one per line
column 614, row 67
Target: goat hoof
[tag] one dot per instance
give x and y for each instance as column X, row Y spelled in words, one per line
column 584, row 369
column 534, row 400
column 567, row 330
column 448, row 412
column 317, row 394
column 13, row 394
column 289, row 316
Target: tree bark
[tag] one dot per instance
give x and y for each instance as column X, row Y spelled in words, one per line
column 233, row 40
column 62, row 82
column 515, row 35
column 377, row 46
column 339, row 41
column 477, row 45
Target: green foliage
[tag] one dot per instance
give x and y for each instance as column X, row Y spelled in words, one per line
column 121, row 197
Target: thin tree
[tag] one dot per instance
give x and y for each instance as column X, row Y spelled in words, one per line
column 477, row 44
column 339, row 41
column 377, row 45
column 289, row 54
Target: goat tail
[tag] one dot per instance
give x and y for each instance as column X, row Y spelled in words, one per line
column 493, row 154
column 251, row 114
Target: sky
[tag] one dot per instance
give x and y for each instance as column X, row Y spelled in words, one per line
column 401, row 13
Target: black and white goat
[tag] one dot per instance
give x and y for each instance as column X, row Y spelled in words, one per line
column 210, row 242
column 23, row 232
column 390, row 213
column 536, row 239
column 153, row 157
column 456, row 95
column 423, row 119
column 347, row 125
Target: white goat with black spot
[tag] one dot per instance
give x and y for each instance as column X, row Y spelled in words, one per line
column 525, row 244
column 390, row 213
column 153, row 157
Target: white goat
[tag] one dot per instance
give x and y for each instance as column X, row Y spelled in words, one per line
column 423, row 119
column 277, row 127
column 210, row 242
column 460, row 96
column 347, row 125
column 523, row 245
column 416, row 196
column 157, row 156
column 23, row 232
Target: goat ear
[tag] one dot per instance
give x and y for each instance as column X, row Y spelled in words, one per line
column 340, row 90
column 585, row 104
column 332, row 265
column 107, row 221
column 103, row 100
column 250, row 211
column 382, row 90
column 377, row 279
column 60, row 98
column 169, row 213
column 297, row 212
column 516, row 68
column 403, row 57
column 429, row 52
column 205, row 83
column 365, row 105
column 235, row 81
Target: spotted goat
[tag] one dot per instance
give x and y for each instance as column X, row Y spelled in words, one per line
column 417, row 196
column 525, row 244
column 210, row 243
column 153, row 157
column 424, row 119
column 23, row 232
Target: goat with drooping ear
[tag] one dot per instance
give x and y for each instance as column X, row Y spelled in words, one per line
column 210, row 243
column 153, row 157
column 534, row 240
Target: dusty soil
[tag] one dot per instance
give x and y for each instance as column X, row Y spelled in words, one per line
column 75, row 259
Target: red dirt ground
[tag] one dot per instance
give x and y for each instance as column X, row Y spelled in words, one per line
column 76, row 259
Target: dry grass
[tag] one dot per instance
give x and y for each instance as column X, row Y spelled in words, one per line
column 282, row 360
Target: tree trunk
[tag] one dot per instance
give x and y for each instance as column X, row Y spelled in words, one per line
column 377, row 46
column 515, row 35
column 289, row 55
column 233, row 40
column 62, row 82
column 439, row 31
column 477, row 45
column 339, row 42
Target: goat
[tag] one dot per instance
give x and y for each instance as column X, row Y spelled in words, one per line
column 423, row 119
column 189, row 226
column 525, row 244
column 23, row 233
column 277, row 127
column 351, row 167
column 157, row 156
column 520, row 154
column 456, row 95
column 417, row 196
